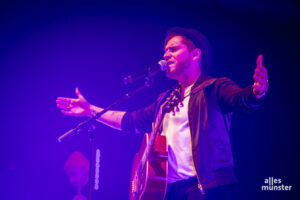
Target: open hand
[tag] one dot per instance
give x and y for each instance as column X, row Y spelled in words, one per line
column 75, row 107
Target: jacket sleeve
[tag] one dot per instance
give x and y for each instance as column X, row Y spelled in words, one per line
column 139, row 121
column 234, row 98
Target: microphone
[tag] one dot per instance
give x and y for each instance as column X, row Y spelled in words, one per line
column 163, row 65
column 147, row 72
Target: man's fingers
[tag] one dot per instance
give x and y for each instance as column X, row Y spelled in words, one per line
column 65, row 101
column 257, row 87
column 261, row 74
column 62, row 103
column 261, row 69
column 62, row 106
column 260, row 88
column 61, row 99
column 258, row 78
column 260, row 84
column 259, row 60
column 79, row 94
column 67, row 112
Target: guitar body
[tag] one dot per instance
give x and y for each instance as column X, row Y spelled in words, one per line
column 148, row 179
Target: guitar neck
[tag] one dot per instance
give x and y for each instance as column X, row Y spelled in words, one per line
column 155, row 130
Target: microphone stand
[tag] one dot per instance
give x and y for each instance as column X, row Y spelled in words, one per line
column 91, row 127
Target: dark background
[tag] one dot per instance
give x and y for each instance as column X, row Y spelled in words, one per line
column 48, row 48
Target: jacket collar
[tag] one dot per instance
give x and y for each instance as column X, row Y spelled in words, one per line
column 200, row 80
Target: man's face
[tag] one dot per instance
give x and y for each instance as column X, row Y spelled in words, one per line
column 177, row 56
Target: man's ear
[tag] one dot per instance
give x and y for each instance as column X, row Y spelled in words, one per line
column 196, row 53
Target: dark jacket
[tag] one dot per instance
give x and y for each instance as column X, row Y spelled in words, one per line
column 209, row 114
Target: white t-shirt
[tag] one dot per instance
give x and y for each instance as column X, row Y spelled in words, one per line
column 177, row 131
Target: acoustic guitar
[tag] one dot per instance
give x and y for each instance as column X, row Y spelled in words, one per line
column 148, row 179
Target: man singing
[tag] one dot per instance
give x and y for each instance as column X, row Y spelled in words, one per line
column 200, row 163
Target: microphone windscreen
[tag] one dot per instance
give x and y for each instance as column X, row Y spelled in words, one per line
column 163, row 65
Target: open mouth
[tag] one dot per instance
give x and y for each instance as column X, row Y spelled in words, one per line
column 170, row 63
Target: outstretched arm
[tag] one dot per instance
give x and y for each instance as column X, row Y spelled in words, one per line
column 245, row 99
column 80, row 107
